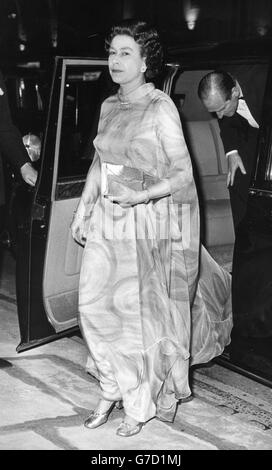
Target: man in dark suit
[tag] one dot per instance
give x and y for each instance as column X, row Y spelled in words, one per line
column 11, row 146
column 238, row 103
column 238, row 107
column 14, row 151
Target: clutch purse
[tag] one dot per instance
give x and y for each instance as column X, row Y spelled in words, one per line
column 115, row 177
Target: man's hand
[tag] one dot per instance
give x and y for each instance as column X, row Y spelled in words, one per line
column 234, row 162
column 29, row 174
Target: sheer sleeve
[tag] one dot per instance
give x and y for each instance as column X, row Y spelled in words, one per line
column 92, row 187
column 173, row 144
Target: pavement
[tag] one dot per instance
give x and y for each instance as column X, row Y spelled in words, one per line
column 46, row 394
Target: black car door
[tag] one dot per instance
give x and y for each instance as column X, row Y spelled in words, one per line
column 48, row 259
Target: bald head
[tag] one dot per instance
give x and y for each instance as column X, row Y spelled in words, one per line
column 219, row 93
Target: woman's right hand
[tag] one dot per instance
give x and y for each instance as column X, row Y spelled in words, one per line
column 79, row 225
column 78, row 229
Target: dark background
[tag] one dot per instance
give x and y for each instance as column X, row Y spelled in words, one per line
column 30, row 28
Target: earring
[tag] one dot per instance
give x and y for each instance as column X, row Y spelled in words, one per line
column 143, row 68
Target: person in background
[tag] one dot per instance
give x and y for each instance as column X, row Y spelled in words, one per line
column 151, row 300
column 12, row 148
column 238, row 107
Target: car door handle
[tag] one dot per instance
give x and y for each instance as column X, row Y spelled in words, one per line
column 38, row 211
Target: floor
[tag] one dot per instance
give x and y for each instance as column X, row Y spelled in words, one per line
column 46, row 394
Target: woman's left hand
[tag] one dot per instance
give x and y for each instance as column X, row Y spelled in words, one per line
column 128, row 197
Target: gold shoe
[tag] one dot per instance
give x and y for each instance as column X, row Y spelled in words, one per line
column 96, row 418
column 119, row 405
column 185, row 400
column 127, row 430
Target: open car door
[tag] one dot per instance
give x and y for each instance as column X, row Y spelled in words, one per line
column 48, row 259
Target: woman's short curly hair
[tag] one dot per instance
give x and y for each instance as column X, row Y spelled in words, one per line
column 148, row 39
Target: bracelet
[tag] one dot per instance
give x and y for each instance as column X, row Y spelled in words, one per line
column 147, row 199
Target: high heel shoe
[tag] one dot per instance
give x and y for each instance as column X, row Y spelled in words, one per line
column 119, row 405
column 96, row 418
column 127, row 430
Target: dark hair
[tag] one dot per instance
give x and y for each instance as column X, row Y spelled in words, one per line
column 148, row 39
column 219, row 81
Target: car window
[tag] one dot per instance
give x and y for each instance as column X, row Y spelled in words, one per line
column 263, row 172
column 85, row 89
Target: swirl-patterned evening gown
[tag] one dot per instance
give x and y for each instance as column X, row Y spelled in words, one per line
column 152, row 301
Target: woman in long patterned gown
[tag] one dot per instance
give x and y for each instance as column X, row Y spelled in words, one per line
column 152, row 301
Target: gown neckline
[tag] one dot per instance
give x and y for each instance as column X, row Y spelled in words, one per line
column 135, row 95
